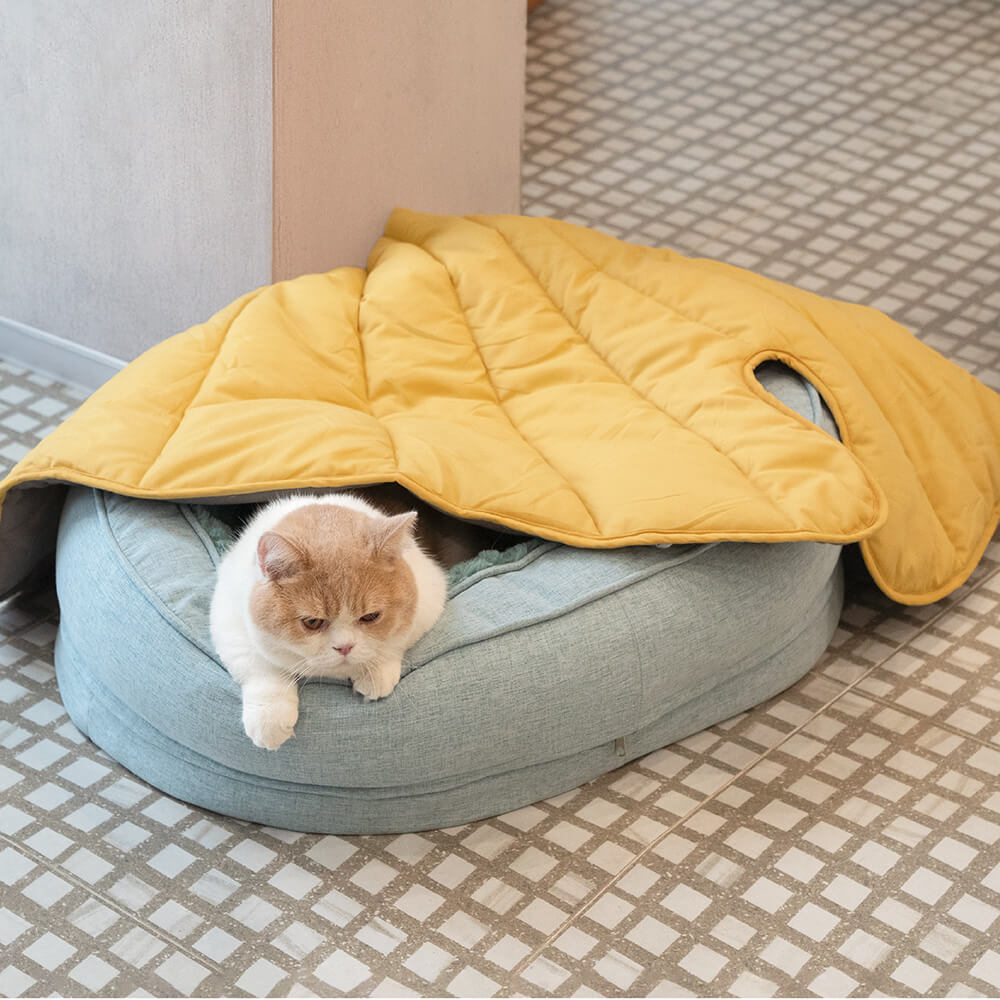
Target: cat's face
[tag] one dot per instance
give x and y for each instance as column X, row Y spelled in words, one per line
column 336, row 590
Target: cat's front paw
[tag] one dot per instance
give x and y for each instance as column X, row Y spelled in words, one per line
column 269, row 725
column 377, row 682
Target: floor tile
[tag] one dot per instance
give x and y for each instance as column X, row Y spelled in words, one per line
column 841, row 837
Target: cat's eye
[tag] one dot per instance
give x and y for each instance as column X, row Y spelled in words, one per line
column 372, row 616
column 313, row 624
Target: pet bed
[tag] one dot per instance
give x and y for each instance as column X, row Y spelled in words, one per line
column 537, row 376
column 547, row 669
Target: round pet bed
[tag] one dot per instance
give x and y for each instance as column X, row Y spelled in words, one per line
column 544, row 671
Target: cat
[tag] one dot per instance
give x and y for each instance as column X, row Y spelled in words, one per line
column 320, row 586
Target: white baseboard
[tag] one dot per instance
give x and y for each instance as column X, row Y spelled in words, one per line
column 62, row 359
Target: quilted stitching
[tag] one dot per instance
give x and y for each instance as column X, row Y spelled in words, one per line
column 552, row 379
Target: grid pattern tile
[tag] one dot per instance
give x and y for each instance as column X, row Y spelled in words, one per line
column 839, row 839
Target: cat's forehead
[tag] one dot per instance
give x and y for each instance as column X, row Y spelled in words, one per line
column 335, row 539
column 341, row 569
column 326, row 520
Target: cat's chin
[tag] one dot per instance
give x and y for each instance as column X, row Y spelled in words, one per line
column 341, row 670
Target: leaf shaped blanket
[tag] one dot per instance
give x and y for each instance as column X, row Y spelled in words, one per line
column 552, row 379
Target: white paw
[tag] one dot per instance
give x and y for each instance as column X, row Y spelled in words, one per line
column 269, row 724
column 376, row 683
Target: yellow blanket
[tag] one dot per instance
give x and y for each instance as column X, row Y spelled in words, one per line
column 555, row 380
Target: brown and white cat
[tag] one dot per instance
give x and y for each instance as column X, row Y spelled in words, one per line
column 325, row 586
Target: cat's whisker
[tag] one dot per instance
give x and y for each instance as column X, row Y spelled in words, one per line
column 292, row 673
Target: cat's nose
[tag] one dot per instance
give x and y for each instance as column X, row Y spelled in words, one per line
column 345, row 649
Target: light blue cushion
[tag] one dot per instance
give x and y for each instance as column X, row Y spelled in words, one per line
column 540, row 675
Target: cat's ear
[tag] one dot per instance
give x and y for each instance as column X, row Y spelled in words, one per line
column 393, row 531
column 277, row 556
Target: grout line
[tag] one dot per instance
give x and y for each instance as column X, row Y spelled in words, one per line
column 57, row 869
column 948, row 727
column 625, row 869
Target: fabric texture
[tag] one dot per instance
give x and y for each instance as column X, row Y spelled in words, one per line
column 545, row 670
column 611, row 387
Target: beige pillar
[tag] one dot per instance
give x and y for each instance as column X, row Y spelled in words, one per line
column 379, row 103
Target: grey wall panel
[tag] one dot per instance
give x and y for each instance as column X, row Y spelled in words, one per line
column 135, row 177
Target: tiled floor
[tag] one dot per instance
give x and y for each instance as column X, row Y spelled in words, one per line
column 842, row 838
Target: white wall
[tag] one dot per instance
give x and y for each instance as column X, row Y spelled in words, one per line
column 135, row 177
